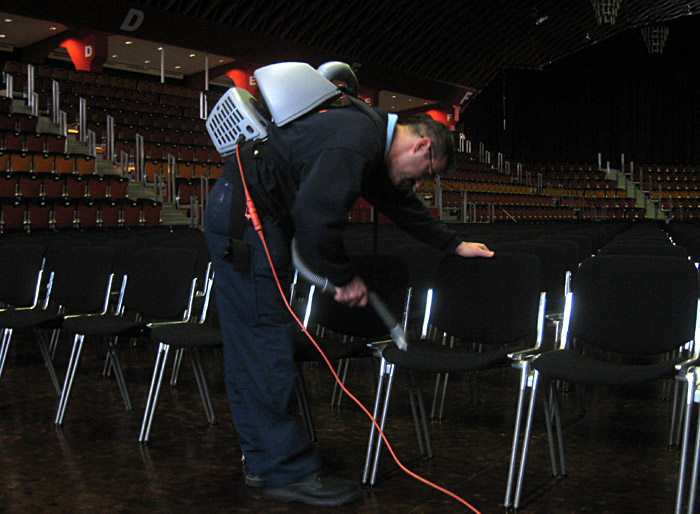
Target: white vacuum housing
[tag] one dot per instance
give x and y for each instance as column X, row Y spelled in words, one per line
column 289, row 90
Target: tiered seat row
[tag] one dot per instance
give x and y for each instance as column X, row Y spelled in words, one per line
column 60, row 163
column 40, row 191
column 31, row 214
column 165, row 115
column 675, row 189
column 47, row 185
column 588, row 190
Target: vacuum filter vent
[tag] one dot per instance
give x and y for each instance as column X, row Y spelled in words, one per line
column 233, row 116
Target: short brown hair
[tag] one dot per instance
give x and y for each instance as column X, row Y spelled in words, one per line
column 440, row 137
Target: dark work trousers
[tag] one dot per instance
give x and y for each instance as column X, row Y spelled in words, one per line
column 258, row 349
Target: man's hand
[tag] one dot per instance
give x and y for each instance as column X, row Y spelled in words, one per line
column 353, row 294
column 473, row 250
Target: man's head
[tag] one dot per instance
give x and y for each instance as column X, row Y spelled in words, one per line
column 421, row 148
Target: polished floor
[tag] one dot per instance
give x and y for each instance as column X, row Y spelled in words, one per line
column 618, row 460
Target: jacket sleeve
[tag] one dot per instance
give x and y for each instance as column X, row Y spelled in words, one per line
column 402, row 207
column 320, row 211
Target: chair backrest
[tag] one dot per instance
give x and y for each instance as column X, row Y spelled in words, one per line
column 194, row 241
column 494, row 300
column 554, row 267
column 160, row 282
column 644, row 248
column 385, row 275
column 635, row 304
column 21, row 267
column 578, row 248
column 82, row 276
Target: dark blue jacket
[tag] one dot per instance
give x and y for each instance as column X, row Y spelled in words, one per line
column 311, row 171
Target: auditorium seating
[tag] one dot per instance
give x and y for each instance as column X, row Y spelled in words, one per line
column 167, row 117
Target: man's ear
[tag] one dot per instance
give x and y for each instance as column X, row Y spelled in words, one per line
column 421, row 145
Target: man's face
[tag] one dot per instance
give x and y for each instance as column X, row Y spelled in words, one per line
column 414, row 166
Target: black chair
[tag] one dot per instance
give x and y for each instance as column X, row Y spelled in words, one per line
column 158, row 287
column 695, row 467
column 345, row 333
column 184, row 337
column 639, row 312
column 21, row 272
column 495, row 302
column 80, row 280
column 195, row 240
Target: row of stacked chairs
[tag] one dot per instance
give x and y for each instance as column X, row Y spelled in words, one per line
column 567, row 193
column 167, row 117
column 42, row 214
column 549, row 250
column 59, row 163
column 47, row 185
column 619, row 260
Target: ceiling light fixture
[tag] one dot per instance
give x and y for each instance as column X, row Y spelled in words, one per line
column 655, row 38
column 539, row 17
column 606, row 10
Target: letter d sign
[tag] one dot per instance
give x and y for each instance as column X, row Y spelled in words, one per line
column 133, row 20
column 88, row 51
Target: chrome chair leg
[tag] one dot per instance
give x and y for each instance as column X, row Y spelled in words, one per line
column 46, row 354
column 118, row 373
column 177, row 361
column 4, row 346
column 198, row 370
column 383, row 373
column 153, row 392
column 70, row 375
column 526, row 440
column 418, row 414
column 303, row 400
column 694, row 474
column 560, row 433
column 436, row 392
column 524, row 377
column 689, row 380
column 385, row 410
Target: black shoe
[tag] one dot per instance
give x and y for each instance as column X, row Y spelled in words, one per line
column 316, row 489
column 252, row 480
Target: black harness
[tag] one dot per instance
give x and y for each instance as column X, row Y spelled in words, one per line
column 238, row 252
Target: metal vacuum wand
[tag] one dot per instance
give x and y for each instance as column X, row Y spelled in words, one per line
column 326, row 286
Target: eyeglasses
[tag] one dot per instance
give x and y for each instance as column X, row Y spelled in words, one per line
column 430, row 155
column 431, row 175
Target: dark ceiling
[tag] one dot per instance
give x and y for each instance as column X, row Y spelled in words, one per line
column 437, row 49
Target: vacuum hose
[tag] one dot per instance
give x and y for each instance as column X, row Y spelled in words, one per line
column 326, row 286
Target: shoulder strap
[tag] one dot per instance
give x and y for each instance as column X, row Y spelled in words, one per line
column 373, row 115
column 238, row 252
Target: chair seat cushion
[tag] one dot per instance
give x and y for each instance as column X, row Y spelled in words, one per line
column 436, row 358
column 186, row 335
column 571, row 366
column 29, row 318
column 105, row 325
